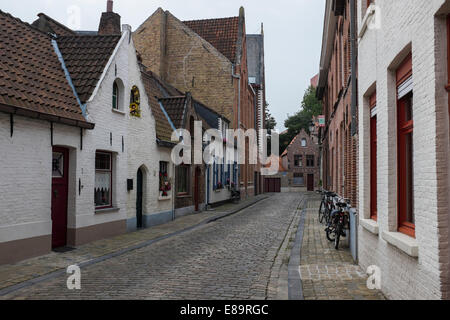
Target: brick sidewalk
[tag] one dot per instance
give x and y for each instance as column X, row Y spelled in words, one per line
column 327, row 273
column 15, row 274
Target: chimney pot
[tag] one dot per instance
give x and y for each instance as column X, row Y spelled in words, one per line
column 109, row 6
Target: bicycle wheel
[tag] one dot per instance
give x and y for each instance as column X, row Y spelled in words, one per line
column 338, row 236
column 331, row 234
column 321, row 212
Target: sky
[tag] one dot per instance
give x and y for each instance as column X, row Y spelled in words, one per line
column 292, row 30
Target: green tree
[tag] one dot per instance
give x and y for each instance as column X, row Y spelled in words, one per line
column 310, row 107
column 270, row 122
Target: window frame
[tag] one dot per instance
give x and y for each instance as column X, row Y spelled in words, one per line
column 373, row 158
column 305, row 143
column 188, row 182
column 111, row 179
column 116, row 96
column 404, row 128
column 309, row 158
column 298, row 157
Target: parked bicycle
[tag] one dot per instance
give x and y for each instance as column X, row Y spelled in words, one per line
column 339, row 222
column 326, row 206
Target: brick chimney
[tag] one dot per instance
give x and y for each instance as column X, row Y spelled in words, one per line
column 110, row 21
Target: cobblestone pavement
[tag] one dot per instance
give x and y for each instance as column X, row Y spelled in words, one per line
column 15, row 274
column 231, row 258
column 327, row 273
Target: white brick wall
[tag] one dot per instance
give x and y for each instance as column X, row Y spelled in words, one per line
column 25, row 162
column 406, row 25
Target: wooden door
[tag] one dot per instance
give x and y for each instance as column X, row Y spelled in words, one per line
column 310, row 182
column 272, row 185
column 60, row 180
column 139, row 197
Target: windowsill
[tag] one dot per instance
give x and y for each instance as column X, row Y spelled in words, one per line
column 106, row 210
column 403, row 242
column 184, row 196
column 118, row 111
column 370, row 225
column 161, row 198
column 365, row 21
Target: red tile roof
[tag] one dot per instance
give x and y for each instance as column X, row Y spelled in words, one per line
column 86, row 57
column 32, row 80
column 175, row 108
column 157, row 89
column 49, row 25
column 275, row 159
column 221, row 33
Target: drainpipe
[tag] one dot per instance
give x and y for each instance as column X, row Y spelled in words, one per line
column 354, row 59
column 238, row 76
column 173, row 191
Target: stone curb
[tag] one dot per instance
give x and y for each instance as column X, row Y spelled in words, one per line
column 295, row 290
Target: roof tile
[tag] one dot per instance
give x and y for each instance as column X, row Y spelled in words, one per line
column 31, row 75
column 220, row 33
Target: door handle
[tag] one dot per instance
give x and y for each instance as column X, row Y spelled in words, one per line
column 55, row 193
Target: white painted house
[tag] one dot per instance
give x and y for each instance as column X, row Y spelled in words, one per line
column 404, row 157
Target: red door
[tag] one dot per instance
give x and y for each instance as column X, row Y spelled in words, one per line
column 60, row 169
column 310, row 183
column 197, row 189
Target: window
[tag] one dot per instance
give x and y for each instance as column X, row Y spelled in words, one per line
column 299, row 179
column 115, row 96
column 310, row 161
column 182, row 180
column 298, row 161
column 405, row 167
column 303, row 142
column 373, row 157
column 164, row 182
column 103, row 180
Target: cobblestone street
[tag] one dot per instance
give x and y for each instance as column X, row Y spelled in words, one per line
column 231, row 258
column 241, row 256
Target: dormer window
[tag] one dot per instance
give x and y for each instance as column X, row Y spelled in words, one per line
column 304, row 142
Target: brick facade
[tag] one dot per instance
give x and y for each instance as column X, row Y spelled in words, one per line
column 184, row 59
column 296, row 148
column 340, row 148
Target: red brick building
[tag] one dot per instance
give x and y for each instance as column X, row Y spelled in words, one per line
column 302, row 161
column 335, row 90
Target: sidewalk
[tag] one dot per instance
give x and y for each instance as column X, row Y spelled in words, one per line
column 327, row 273
column 37, row 269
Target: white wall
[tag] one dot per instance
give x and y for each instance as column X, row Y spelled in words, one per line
column 405, row 24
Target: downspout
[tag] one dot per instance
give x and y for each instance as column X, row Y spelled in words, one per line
column 174, row 188
column 354, row 59
column 354, row 84
column 238, row 76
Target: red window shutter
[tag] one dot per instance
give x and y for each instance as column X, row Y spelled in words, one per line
column 405, row 166
column 404, row 71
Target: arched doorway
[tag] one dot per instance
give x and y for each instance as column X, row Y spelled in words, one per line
column 139, row 197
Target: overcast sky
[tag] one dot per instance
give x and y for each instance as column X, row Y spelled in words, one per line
column 292, row 28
